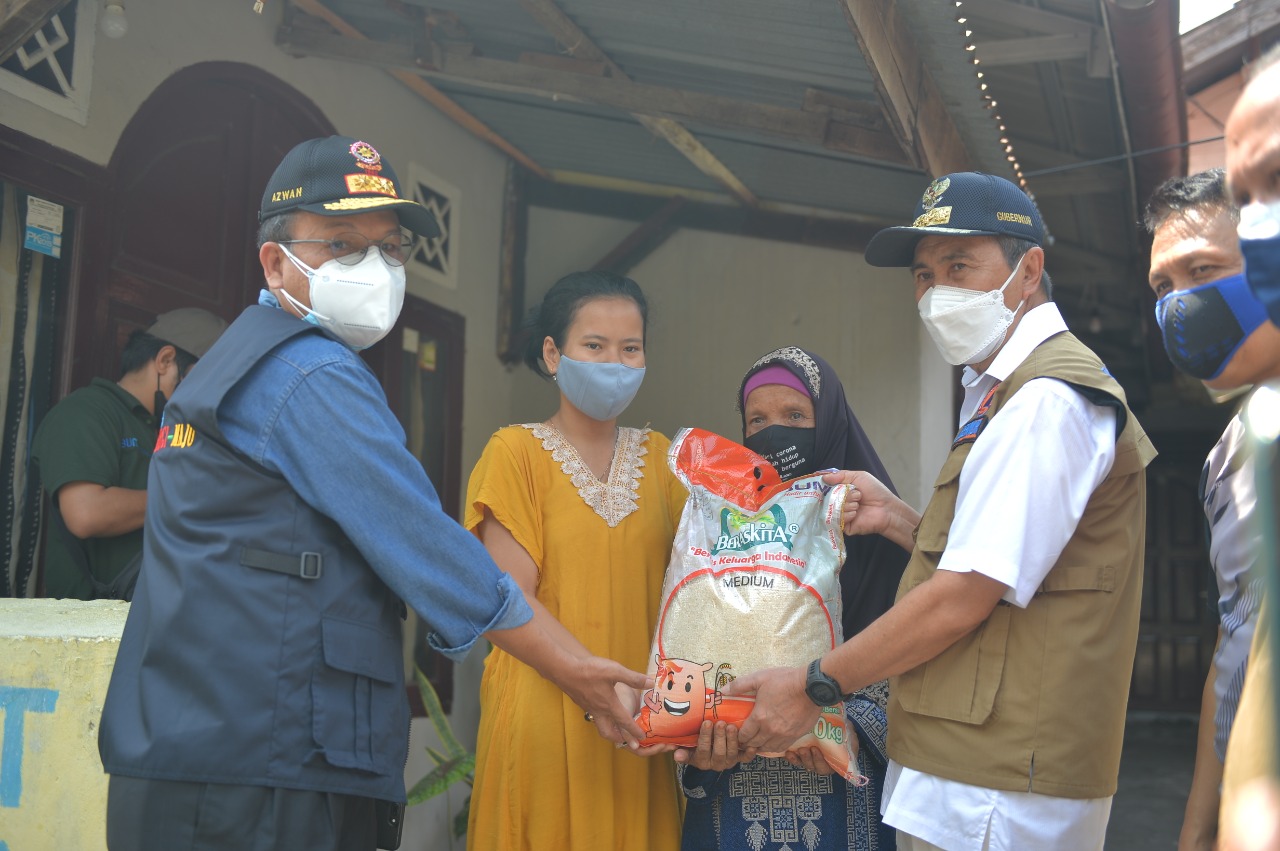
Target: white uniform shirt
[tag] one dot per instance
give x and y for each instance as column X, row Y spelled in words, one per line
column 1023, row 489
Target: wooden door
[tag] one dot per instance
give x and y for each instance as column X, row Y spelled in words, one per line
column 184, row 185
column 1179, row 623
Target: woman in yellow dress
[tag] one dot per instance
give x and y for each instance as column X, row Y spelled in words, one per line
column 582, row 512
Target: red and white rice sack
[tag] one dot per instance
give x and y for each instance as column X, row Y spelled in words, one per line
column 753, row 582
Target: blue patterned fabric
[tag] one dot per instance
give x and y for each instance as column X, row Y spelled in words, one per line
column 770, row 805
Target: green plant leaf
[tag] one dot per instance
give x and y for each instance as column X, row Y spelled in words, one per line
column 442, row 777
column 435, row 712
column 460, row 820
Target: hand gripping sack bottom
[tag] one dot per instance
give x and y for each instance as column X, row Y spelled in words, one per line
column 753, row 582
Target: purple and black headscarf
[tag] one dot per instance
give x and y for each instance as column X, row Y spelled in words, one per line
column 873, row 564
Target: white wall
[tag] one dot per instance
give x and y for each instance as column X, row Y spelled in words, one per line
column 718, row 302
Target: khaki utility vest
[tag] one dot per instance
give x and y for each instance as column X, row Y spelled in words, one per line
column 1034, row 699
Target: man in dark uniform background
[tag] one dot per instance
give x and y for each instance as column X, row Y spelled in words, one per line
column 94, row 447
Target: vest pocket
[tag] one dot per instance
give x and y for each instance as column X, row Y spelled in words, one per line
column 1079, row 577
column 961, row 683
column 356, row 702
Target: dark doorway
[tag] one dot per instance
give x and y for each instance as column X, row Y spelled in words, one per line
column 182, row 189
column 1179, row 596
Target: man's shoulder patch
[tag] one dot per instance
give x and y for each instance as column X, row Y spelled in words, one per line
column 969, row 432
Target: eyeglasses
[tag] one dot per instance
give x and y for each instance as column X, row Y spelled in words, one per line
column 350, row 248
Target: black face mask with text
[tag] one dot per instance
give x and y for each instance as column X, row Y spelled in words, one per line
column 790, row 450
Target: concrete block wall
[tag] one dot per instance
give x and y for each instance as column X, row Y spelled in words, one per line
column 55, row 662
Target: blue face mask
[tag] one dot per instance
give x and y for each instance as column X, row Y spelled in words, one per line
column 602, row 391
column 1204, row 326
column 1260, row 245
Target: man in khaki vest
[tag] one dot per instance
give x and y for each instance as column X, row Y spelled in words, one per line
column 1011, row 645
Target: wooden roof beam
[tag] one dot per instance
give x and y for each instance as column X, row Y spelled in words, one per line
column 425, row 90
column 1039, row 48
column 1028, row 17
column 643, row 241
column 863, row 113
column 917, row 115
column 1058, row 37
column 580, row 46
column 797, row 125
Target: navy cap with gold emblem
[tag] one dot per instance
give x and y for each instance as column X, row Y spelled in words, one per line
column 967, row 203
column 340, row 175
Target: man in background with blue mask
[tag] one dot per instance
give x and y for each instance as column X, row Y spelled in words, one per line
column 1215, row 329
column 258, row 697
column 1023, row 591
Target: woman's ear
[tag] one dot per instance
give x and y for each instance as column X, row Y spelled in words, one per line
column 550, row 355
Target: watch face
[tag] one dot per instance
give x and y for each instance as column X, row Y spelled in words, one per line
column 823, row 694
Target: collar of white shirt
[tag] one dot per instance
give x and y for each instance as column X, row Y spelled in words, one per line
column 1037, row 325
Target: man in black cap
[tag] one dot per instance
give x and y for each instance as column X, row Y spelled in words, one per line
column 258, row 698
column 1011, row 644
column 93, row 449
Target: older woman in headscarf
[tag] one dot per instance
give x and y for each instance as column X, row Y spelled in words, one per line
column 794, row 413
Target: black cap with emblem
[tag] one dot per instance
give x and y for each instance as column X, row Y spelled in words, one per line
column 340, row 175
column 967, row 203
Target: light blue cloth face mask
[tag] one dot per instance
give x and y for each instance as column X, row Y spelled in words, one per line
column 602, row 391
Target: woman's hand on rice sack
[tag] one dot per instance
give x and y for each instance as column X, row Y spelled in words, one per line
column 782, row 711
column 870, row 508
column 717, row 748
column 590, row 683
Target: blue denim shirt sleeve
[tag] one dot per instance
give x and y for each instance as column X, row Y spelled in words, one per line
column 314, row 413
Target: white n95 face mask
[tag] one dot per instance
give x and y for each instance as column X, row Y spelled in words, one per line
column 357, row 304
column 965, row 325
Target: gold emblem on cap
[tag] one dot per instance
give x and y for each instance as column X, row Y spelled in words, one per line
column 367, row 157
column 370, row 183
column 1014, row 217
column 933, row 194
column 935, row 216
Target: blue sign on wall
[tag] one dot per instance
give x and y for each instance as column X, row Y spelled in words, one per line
column 15, row 703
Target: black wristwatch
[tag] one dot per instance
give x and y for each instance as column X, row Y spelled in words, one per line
column 822, row 689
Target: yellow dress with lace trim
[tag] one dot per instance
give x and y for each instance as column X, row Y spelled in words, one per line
column 545, row 780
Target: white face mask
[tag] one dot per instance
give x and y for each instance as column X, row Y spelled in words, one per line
column 965, row 325
column 357, row 304
column 1259, row 220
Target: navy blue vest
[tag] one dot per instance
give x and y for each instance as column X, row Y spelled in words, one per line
column 260, row 648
